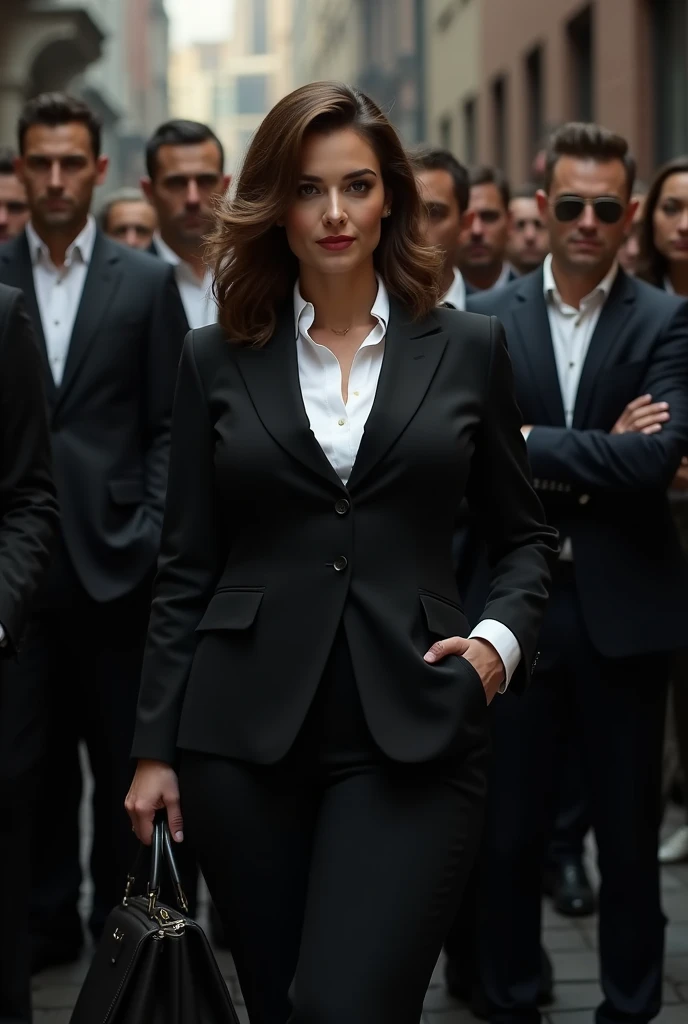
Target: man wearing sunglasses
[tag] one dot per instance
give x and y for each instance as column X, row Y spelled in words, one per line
column 14, row 208
column 601, row 370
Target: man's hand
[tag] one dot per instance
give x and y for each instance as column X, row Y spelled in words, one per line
column 482, row 656
column 680, row 481
column 642, row 416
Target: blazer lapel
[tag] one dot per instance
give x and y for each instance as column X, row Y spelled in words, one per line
column 412, row 355
column 271, row 375
column 102, row 281
column 604, row 344
column 532, row 323
column 18, row 272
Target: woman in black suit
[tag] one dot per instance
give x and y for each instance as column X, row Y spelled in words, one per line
column 308, row 676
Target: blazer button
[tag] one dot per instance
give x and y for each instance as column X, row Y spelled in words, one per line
column 584, row 499
column 340, row 563
column 342, row 506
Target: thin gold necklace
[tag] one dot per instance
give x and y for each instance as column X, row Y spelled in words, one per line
column 341, row 333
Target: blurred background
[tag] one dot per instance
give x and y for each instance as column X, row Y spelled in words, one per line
column 485, row 78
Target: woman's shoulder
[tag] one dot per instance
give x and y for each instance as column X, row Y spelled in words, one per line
column 461, row 326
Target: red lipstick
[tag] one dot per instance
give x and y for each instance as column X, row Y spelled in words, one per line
column 335, row 243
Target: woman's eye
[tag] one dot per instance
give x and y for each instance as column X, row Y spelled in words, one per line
column 359, row 186
column 671, row 208
column 307, row 190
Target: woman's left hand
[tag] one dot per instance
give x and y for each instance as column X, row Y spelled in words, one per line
column 482, row 656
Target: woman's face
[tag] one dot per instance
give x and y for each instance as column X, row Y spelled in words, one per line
column 334, row 221
column 670, row 221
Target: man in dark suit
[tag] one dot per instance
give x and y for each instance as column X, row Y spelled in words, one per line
column 482, row 250
column 585, row 341
column 28, row 525
column 185, row 164
column 110, row 329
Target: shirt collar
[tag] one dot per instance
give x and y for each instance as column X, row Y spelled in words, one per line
column 456, row 293
column 82, row 245
column 552, row 292
column 668, row 286
column 169, row 255
column 304, row 312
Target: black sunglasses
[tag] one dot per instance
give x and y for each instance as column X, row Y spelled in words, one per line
column 607, row 209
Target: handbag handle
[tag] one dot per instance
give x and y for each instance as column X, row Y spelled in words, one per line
column 161, row 852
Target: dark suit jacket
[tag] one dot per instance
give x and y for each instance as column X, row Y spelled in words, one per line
column 265, row 552
column 608, row 493
column 110, row 417
column 28, row 507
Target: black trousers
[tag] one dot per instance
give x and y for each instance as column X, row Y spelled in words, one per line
column 22, row 734
column 336, row 872
column 572, row 818
column 619, row 706
column 86, row 657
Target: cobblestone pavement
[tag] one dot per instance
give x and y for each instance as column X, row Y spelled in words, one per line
column 571, row 944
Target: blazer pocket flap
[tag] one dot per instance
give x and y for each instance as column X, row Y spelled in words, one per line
column 231, row 609
column 126, row 492
column 443, row 619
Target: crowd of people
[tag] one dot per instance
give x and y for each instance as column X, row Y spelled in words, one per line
column 587, row 270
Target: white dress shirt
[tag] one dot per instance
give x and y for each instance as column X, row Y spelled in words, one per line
column 572, row 330
column 196, row 295
column 456, row 293
column 59, row 291
column 338, row 426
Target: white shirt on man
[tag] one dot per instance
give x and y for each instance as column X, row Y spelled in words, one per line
column 196, row 293
column 572, row 330
column 455, row 295
column 59, row 291
column 338, row 426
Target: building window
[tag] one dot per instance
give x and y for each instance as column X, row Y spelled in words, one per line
column 446, row 141
column 580, row 35
column 670, row 31
column 252, row 94
column 535, row 91
column 223, row 100
column 499, row 120
column 470, row 131
column 259, row 25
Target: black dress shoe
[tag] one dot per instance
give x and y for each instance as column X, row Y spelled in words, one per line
column 46, row 953
column 571, row 890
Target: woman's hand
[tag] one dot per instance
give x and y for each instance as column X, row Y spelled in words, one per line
column 154, row 786
column 482, row 656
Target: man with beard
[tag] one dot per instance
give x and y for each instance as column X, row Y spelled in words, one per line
column 185, row 164
column 110, row 327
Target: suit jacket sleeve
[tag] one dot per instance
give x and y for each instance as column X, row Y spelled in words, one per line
column 520, row 547
column 189, row 565
column 166, row 333
column 594, row 459
column 28, row 506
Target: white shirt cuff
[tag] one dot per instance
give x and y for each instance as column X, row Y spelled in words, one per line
column 505, row 644
column 3, row 637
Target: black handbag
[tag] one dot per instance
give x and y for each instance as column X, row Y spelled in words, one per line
column 154, row 964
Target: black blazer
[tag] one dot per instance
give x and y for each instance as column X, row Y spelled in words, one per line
column 608, row 493
column 28, row 506
column 265, row 552
column 110, row 417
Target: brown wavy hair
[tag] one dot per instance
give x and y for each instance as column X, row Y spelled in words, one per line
column 254, row 267
column 653, row 266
